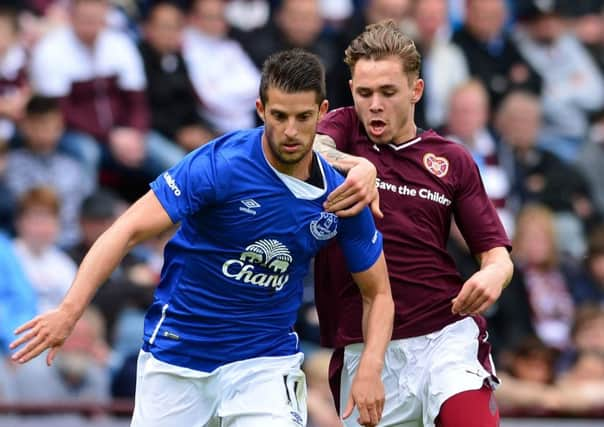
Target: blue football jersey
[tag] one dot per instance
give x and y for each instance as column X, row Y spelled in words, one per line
column 231, row 283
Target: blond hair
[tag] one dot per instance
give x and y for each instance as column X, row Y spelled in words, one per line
column 528, row 216
column 382, row 40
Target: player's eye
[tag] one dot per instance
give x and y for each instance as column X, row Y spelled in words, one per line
column 304, row 117
column 364, row 93
column 389, row 93
column 279, row 116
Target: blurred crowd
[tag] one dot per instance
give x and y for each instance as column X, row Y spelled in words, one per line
column 97, row 97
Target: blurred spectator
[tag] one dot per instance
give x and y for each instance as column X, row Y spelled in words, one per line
column 17, row 304
column 98, row 76
column 540, row 176
column 444, row 65
column 247, row 15
column 582, row 380
column 527, row 377
column 171, row 96
column 467, row 123
column 7, row 201
column 223, row 75
column 594, row 266
column 490, row 53
column 321, row 408
column 38, row 163
column 578, row 391
column 39, row 17
column 533, row 361
column 586, row 335
column 572, row 83
column 591, row 160
column 587, row 23
column 14, row 87
column 48, row 268
column 546, row 278
column 335, row 13
column 17, row 298
column 79, row 372
column 298, row 23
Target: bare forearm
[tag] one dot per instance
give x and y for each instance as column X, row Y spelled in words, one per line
column 378, row 317
column 343, row 162
column 98, row 264
column 378, row 313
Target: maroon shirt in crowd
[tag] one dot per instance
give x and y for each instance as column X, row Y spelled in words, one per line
column 422, row 184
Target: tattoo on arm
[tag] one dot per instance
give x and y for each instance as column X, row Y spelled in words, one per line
column 326, row 146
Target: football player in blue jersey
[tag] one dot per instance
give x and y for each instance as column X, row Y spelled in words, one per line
column 219, row 347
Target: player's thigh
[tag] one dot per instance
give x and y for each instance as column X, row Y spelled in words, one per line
column 165, row 399
column 456, row 363
column 472, row 408
column 269, row 399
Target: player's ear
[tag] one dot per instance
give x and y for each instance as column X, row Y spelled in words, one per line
column 260, row 109
column 417, row 91
column 323, row 107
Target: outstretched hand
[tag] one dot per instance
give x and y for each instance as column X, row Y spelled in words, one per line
column 368, row 395
column 356, row 192
column 46, row 331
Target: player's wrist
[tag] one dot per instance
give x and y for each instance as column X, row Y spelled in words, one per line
column 370, row 365
column 71, row 310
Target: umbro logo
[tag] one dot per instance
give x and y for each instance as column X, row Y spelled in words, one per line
column 249, row 205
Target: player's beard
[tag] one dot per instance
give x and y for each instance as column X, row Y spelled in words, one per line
column 288, row 158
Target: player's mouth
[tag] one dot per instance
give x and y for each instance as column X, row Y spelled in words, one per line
column 291, row 147
column 376, row 127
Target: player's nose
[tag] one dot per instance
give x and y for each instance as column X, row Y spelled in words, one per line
column 290, row 130
column 376, row 103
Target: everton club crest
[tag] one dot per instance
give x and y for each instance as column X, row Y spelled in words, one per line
column 325, row 227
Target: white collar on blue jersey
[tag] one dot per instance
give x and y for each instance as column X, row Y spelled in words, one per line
column 300, row 189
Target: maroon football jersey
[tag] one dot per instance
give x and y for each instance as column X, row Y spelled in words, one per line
column 422, row 184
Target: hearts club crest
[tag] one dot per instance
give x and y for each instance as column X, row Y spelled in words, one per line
column 438, row 166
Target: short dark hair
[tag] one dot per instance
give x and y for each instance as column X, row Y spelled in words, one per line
column 148, row 13
column 102, row 204
column 40, row 105
column 294, row 70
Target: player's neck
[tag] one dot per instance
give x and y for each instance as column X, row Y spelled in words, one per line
column 406, row 135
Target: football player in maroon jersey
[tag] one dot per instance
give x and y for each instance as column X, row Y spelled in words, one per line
column 438, row 369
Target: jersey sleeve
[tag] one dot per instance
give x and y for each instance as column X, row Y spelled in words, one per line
column 338, row 125
column 360, row 241
column 191, row 184
column 475, row 214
